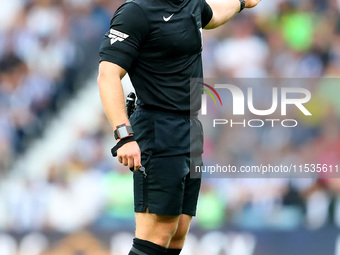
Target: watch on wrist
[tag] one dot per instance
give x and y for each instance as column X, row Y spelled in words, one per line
column 243, row 5
column 123, row 131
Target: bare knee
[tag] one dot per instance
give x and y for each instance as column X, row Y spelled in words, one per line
column 164, row 230
column 178, row 239
column 158, row 229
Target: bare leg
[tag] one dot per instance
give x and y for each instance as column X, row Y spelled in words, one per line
column 178, row 238
column 158, row 229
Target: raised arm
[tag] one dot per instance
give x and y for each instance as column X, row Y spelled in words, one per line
column 224, row 10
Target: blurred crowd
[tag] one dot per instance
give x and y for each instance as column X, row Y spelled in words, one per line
column 284, row 40
column 43, row 47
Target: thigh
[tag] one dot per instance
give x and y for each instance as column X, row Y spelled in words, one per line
column 183, row 225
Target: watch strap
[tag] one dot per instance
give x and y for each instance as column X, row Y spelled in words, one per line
column 120, row 144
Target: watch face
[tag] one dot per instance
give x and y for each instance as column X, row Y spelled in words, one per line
column 122, row 132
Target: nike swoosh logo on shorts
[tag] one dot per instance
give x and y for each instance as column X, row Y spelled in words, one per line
column 168, row 18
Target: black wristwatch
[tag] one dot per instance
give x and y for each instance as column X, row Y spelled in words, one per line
column 123, row 131
column 243, row 4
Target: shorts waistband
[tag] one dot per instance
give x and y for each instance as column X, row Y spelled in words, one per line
column 180, row 114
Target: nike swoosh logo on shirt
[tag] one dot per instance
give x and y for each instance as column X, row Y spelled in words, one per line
column 168, row 18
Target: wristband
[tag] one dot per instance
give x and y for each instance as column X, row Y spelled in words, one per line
column 243, row 5
column 120, row 144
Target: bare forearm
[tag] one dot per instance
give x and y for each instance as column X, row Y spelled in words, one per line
column 112, row 96
column 224, row 10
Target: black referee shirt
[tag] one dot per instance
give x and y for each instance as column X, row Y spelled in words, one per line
column 159, row 43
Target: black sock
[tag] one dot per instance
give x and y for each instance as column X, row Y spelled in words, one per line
column 173, row 251
column 142, row 247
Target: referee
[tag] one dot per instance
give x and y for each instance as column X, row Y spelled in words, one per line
column 159, row 43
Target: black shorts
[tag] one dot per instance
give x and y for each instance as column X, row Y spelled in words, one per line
column 164, row 140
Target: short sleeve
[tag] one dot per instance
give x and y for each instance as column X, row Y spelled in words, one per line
column 207, row 13
column 121, row 44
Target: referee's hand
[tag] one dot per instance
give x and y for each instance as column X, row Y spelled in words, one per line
column 129, row 155
column 251, row 3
